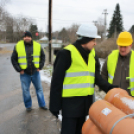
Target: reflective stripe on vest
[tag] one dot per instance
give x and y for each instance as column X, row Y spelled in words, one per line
column 131, row 73
column 22, row 57
column 111, row 66
column 79, row 78
column 131, row 79
column 20, row 48
column 83, row 85
column 132, row 89
column 75, row 74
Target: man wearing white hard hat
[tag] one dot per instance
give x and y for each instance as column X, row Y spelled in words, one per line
column 76, row 71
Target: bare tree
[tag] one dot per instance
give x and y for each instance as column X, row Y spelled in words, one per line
column 9, row 24
column 21, row 24
column 55, row 34
column 63, row 35
column 4, row 2
column 12, row 28
column 3, row 22
column 3, row 16
column 100, row 26
column 72, row 32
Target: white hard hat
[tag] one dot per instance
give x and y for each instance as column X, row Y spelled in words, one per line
column 88, row 30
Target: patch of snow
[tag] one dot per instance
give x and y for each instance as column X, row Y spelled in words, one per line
column 116, row 95
column 128, row 102
column 106, row 111
column 44, row 77
column 101, row 62
column 97, row 98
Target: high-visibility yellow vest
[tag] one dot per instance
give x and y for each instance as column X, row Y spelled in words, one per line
column 22, row 60
column 111, row 67
column 79, row 78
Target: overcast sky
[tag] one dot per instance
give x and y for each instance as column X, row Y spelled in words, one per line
column 67, row 12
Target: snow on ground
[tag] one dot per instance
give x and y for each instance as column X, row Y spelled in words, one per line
column 101, row 61
column 45, row 76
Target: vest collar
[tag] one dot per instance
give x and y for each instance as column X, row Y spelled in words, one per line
column 127, row 56
column 84, row 53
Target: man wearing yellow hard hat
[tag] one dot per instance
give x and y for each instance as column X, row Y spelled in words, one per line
column 118, row 68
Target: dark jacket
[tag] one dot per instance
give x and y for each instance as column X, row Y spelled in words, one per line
column 29, row 51
column 72, row 106
column 121, row 72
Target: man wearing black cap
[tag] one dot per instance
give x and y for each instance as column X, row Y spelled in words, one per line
column 76, row 71
column 28, row 59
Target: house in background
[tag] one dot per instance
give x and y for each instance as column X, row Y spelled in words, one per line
column 54, row 41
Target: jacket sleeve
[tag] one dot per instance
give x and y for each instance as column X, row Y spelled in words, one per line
column 103, row 84
column 42, row 59
column 14, row 60
column 104, row 71
column 61, row 64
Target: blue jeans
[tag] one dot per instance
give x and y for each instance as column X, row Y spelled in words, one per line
column 25, row 84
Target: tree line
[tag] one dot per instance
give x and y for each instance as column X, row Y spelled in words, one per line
column 115, row 27
column 12, row 28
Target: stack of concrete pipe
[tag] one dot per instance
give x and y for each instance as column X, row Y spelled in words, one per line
column 113, row 115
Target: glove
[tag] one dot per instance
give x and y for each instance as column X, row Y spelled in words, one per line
column 55, row 113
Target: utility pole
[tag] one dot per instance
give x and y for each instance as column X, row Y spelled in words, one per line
column 50, row 28
column 105, row 19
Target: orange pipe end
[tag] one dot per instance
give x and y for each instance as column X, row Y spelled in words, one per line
column 90, row 128
column 122, row 101
column 111, row 93
column 104, row 115
column 86, row 126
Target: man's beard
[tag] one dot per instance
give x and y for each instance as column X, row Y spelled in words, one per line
column 27, row 41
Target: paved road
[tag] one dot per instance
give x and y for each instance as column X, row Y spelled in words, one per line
column 13, row 117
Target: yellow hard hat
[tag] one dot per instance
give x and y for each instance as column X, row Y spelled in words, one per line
column 124, row 39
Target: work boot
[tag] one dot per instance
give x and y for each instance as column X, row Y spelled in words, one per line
column 29, row 109
column 44, row 108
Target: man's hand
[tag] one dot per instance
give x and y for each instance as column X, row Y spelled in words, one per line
column 22, row 72
column 38, row 70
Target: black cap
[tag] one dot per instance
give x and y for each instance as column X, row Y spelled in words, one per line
column 84, row 40
column 27, row 33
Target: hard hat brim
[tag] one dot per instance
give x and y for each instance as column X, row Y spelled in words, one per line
column 97, row 36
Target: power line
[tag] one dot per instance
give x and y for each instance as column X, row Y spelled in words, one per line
column 70, row 6
column 33, row 18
